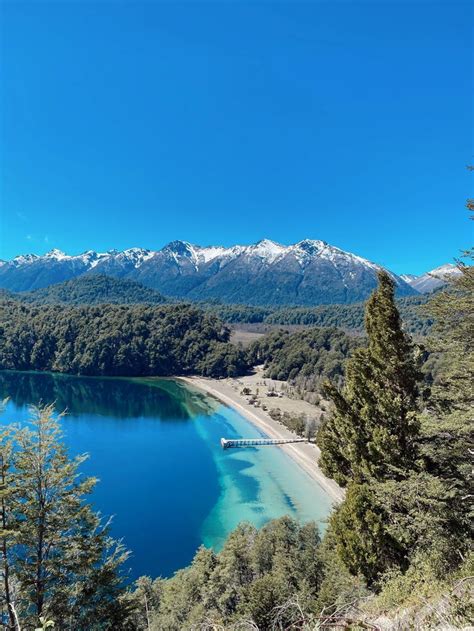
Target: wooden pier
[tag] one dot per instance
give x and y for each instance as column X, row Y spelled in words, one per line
column 258, row 442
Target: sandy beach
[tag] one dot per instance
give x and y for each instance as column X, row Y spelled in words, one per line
column 306, row 455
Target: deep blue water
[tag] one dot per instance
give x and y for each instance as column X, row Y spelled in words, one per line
column 154, row 445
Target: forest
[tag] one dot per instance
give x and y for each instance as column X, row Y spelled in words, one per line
column 316, row 352
column 116, row 340
column 95, row 289
column 92, row 290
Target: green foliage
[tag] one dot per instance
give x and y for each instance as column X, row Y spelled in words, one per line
column 371, row 433
column 59, row 561
column 92, row 290
column 385, row 526
column 408, row 473
column 349, row 317
column 315, row 352
column 116, row 340
column 233, row 314
column 297, row 423
column 352, row 316
column 362, row 541
column 256, row 572
column 422, row 598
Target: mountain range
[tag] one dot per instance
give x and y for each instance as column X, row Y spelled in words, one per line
column 310, row 272
column 432, row 280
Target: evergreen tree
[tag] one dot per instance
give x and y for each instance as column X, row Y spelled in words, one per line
column 447, row 438
column 62, row 558
column 362, row 541
column 372, row 431
column 7, row 531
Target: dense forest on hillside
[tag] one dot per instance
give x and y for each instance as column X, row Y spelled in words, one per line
column 94, row 289
column 316, row 352
column 101, row 289
column 116, row 340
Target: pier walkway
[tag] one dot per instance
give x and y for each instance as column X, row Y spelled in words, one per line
column 258, row 442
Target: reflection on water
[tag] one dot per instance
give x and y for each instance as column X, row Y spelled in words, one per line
column 154, row 445
column 121, row 398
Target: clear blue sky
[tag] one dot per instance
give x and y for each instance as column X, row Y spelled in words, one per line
column 133, row 124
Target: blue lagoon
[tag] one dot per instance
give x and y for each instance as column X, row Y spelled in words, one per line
column 163, row 476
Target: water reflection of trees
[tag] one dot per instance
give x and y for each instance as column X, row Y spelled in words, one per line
column 121, row 398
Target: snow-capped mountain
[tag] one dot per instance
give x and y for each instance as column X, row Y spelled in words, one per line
column 432, row 280
column 310, row 272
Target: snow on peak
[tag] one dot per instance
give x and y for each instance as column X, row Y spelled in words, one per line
column 211, row 252
column 266, row 249
column 310, row 245
column 445, row 270
column 136, row 256
column 25, row 259
column 180, row 248
column 56, row 254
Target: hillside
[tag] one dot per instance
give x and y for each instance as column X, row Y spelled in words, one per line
column 116, row 340
column 93, row 290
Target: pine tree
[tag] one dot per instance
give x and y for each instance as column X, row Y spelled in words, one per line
column 66, row 566
column 371, row 433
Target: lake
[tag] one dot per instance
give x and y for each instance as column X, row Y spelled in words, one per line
column 163, row 476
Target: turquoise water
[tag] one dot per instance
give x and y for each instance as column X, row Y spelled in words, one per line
column 154, row 445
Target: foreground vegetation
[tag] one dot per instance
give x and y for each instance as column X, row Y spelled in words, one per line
column 57, row 558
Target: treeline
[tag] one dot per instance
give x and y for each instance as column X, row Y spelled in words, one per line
column 404, row 453
column 235, row 314
column 350, row 317
column 262, row 579
column 117, row 340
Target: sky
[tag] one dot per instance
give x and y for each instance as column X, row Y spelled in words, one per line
column 136, row 123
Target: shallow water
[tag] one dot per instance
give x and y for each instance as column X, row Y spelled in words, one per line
column 154, row 445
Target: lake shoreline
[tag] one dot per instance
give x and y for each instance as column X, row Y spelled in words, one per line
column 305, row 455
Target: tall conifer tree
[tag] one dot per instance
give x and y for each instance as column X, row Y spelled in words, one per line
column 372, row 431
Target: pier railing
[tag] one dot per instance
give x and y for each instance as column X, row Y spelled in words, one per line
column 227, row 443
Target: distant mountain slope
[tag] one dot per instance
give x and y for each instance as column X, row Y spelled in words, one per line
column 430, row 281
column 97, row 289
column 266, row 273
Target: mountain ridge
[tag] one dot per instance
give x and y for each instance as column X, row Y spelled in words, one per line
column 309, row 272
column 435, row 278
